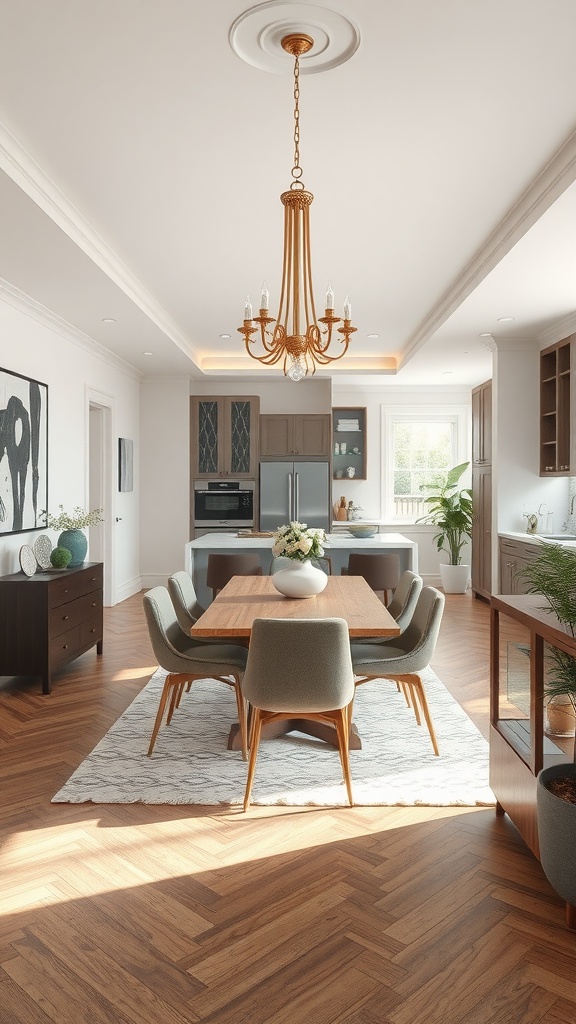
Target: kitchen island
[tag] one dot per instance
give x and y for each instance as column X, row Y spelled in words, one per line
column 337, row 549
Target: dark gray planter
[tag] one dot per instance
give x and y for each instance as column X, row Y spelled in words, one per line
column 557, row 835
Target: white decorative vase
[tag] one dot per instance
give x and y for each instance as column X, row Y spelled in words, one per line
column 300, row 579
column 455, row 578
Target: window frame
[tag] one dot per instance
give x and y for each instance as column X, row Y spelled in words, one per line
column 457, row 415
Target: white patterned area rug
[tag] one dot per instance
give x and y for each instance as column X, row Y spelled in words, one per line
column 191, row 764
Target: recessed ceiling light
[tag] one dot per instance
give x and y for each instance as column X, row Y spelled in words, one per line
column 225, row 335
column 447, row 373
column 147, row 353
column 372, row 335
column 485, row 334
column 108, row 320
column 505, row 319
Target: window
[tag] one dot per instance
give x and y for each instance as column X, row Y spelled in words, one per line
column 422, row 445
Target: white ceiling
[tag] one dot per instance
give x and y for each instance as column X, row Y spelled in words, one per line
column 141, row 164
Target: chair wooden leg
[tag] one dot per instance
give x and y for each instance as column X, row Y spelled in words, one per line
column 174, row 701
column 342, row 722
column 419, row 694
column 166, row 689
column 255, row 731
column 242, row 718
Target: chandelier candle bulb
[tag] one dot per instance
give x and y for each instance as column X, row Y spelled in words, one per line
column 248, row 309
column 329, row 297
column 264, row 298
column 347, row 309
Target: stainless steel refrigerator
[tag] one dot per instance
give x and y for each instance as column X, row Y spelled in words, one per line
column 295, row 491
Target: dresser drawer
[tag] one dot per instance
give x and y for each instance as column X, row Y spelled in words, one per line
column 69, row 587
column 64, row 647
column 65, row 616
column 91, row 631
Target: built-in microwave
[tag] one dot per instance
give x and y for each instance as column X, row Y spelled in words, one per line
column 224, row 503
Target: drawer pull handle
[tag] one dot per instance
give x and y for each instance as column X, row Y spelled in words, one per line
column 93, row 604
column 64, row 617
column 64, row 647
column 92, row 630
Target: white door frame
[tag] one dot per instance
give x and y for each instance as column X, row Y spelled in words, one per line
column 100, row 467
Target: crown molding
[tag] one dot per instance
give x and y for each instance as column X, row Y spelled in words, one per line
column 552, row 181
column 561, row 329
column 17, row 163
column 12, row 296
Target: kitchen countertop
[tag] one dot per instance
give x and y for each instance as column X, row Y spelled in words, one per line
column 337, row 549
column 536, row 538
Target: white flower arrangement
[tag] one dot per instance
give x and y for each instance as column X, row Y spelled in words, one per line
column 297, row 541
column 77, row 520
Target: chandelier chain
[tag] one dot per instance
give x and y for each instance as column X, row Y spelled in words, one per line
column 297, row 170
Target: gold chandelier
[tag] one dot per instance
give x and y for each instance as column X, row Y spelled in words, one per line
column 303, row 345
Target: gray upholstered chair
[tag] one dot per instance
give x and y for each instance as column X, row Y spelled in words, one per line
column 186, row 659
column 404, row 660
column 222, row 567
column 380, row 570
column 183, row 594
column 299, row 668
column 405, row 598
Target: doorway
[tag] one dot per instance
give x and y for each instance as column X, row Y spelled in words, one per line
column 100, row 469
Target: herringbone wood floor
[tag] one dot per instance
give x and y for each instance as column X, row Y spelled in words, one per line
column 135, row 914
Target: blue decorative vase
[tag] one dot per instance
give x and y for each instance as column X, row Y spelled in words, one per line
column 77, row 544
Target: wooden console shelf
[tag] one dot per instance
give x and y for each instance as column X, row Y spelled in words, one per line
column 48, row 619
column 520, row 633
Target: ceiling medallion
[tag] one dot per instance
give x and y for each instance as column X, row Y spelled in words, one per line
column 257, row 35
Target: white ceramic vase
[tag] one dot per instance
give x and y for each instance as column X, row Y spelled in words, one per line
column 300, row 579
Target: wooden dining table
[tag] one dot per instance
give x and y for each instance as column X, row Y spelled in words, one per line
column 245, row 598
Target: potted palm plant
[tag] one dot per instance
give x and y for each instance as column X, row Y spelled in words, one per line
column 553, row 574
column 450, row 510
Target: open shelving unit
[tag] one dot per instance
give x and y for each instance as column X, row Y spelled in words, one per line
column 349, row 443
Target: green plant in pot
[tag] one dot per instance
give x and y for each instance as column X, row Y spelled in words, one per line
column 72, row 526
column 450, row 510
column 553, row 574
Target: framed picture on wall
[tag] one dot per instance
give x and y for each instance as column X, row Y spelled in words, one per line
column 125, row 464
column 23, row 453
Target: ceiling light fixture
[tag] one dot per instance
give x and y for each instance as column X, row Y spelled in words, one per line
column 296, row 340
column 505, row 319
column 108, row 320
column 225, row 335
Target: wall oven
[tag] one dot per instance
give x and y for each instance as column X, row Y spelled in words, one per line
column 224, row 504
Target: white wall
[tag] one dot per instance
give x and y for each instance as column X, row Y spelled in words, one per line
column 33, row 345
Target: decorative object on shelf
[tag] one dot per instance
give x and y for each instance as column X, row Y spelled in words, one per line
column 342, row 510
column 72, row 526
column 307, row 345
column 350, row 472
column 451, row 511
column 24, row 442
column 27, row 560
column 300, row 544
column 42, row 549
column 60, row 558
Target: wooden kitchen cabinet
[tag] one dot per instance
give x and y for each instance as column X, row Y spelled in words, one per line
column 515, row 555
column 284, row 435
column 482, row 530
column 482, row 424
column 48, row 619
column 224, row 436
column 557, row 384
column 482, row 490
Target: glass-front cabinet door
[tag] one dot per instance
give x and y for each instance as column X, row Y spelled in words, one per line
column 224, row 437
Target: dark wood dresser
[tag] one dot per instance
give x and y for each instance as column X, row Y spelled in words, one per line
column 48, row 619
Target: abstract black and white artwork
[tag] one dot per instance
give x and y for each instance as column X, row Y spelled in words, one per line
column 23, row 453
column 125, row 464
